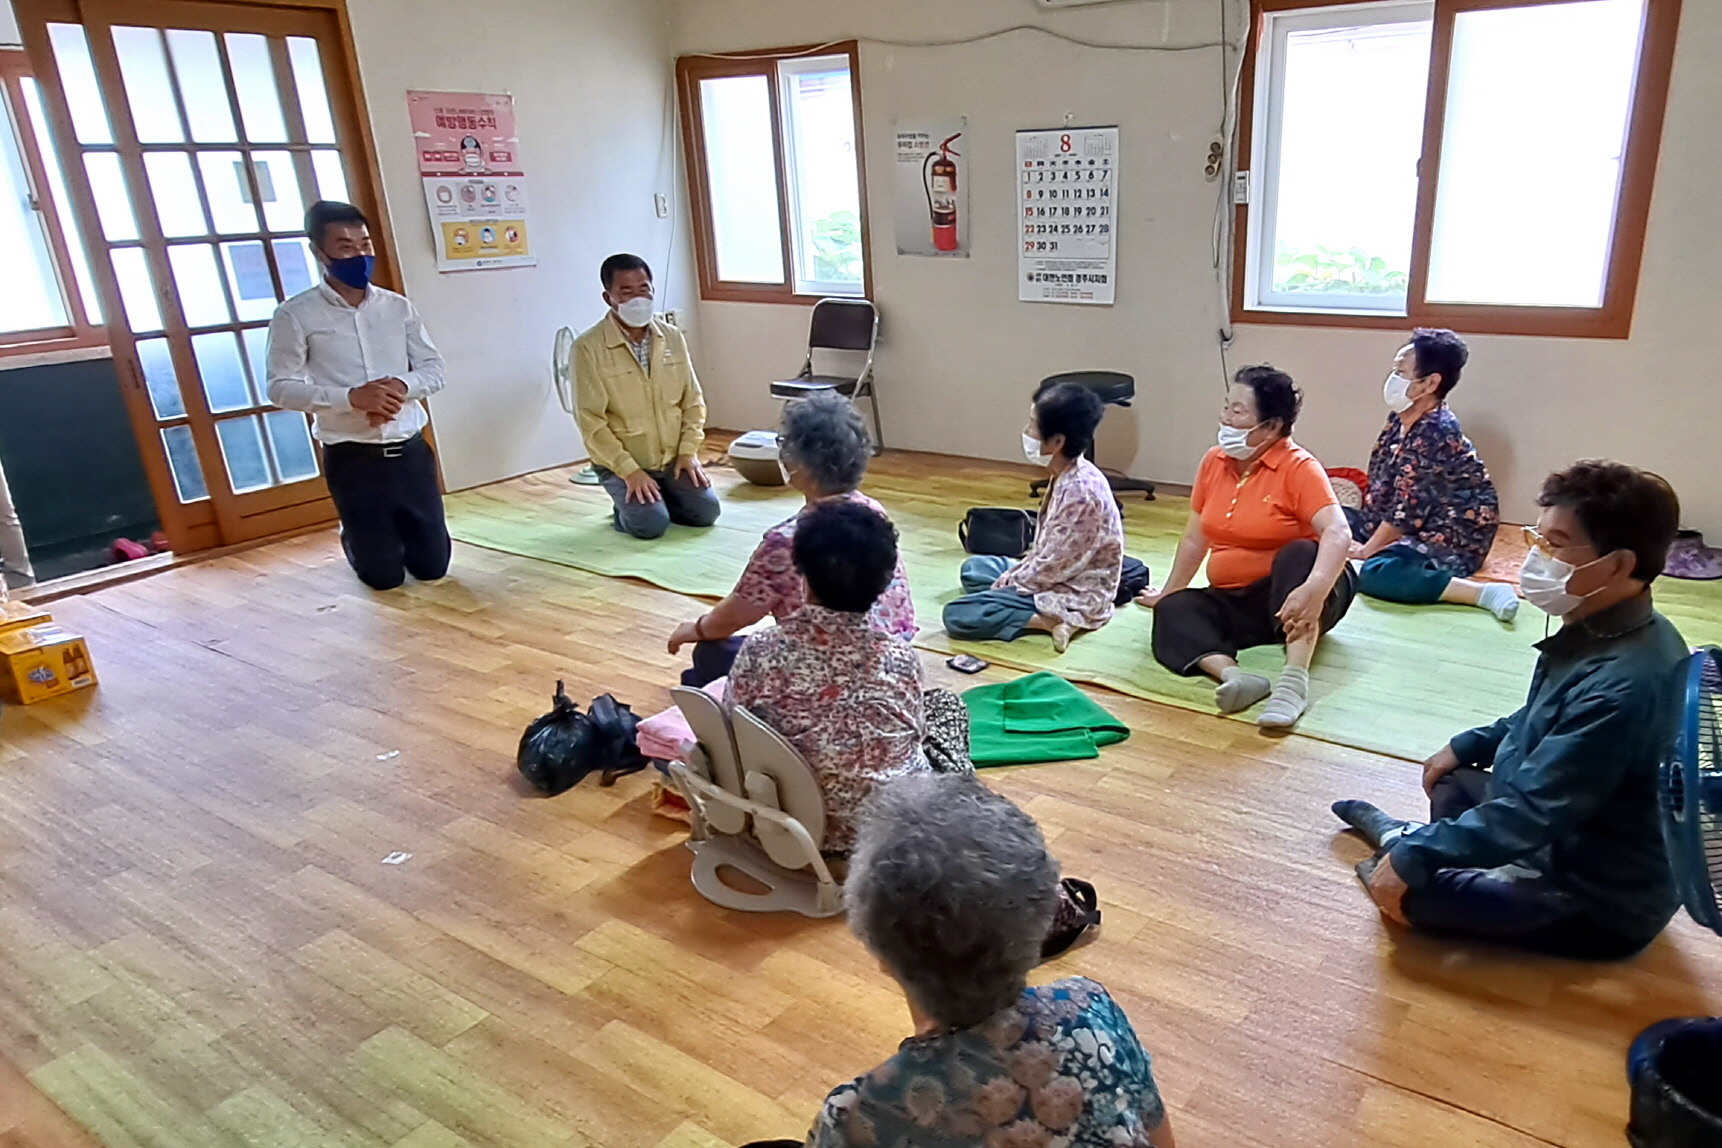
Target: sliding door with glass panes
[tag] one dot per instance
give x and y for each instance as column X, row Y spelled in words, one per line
column 194, row 137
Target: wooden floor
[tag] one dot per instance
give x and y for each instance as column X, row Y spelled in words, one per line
column 200, row 944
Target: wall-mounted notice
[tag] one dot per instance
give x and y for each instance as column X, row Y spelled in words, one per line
column 932, row 188
column 1068, row 195
column 469, row 161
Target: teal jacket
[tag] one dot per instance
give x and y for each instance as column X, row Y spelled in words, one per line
column 1572, row 790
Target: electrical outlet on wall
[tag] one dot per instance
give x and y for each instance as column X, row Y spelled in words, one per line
column 661, row 202
column 1216, row 160
column 670, row 318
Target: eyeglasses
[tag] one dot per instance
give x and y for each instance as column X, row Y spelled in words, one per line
column 1537, row 542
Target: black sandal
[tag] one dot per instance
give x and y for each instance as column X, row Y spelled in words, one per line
column 1082, row 895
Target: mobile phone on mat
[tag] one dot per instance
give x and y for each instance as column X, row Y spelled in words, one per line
column 966, row 664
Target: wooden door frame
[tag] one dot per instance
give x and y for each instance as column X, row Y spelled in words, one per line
column 221, row 518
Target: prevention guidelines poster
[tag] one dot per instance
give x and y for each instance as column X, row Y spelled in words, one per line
column 932, row 188
column 475, row 190
column 1067, row 194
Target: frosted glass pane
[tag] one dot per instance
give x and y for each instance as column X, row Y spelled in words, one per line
column 254, row 80
column 171, row 185
column 249, row 279
column 283, row 210
column 313, row 97
column 823, row 176
column 143, row 66
column 257, row 356
column 742, row 173
column 229, row 194
column 78, row 81
column 201, row 300
column 290, row 437
column 331, row 179
column 1537, row 110
column 113, row 206
column 242, row 448
column 182, row 460
column 137, row 289
column 1350, row 131
column 222, row 370
column 197, row 65
column 30, row 297
column 297, row 265
column 63, row 202
column 156, row 359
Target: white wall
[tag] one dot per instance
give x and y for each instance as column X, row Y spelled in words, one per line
column 589, row 80
column 959, row 354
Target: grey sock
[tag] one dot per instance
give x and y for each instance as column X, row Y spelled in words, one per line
column 1371, row 824
column 1500, row 600
column 1238, row 691
column 1288, row 701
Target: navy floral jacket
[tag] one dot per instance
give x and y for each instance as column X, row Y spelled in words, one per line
column 1427, row 482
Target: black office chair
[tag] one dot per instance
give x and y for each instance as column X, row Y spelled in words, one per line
column 841, row 335
column 1115, row 388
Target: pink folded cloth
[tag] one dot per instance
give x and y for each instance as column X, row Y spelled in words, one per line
column 666, row 735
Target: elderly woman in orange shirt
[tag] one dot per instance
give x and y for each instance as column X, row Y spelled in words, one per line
column 1276, row 541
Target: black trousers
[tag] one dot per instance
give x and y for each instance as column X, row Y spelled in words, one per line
column 1525, row 911
column 391, row 510
column 1191, row 624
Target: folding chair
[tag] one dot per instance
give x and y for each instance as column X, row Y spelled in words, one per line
column 841, row 336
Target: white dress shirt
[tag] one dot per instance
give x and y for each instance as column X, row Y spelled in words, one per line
column 321, row 347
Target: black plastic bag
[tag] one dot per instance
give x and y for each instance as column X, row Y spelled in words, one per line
column 562, row 747
column 1132, row 580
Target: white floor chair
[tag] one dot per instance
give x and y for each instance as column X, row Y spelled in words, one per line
column 756, row 809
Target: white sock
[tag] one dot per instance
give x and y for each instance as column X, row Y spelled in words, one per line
column 1288, row 701
column 1238, row 691
column 1499, row 599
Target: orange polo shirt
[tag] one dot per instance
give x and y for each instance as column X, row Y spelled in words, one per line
column 1246, row 519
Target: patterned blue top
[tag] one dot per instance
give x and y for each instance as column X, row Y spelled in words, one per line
column 1427, row 481
column 1061, row 1068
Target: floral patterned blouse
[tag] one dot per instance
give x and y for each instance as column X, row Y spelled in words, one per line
column 771, row 583
column 1061, row 1068
column 1072, row 569
column 845, row 695
column 1427, row 482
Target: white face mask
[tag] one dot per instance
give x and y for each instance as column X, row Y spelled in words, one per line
column 1235, row 442
column 1544, row 580
column 636, row 312
column 1396, row 393
column 1031, row 451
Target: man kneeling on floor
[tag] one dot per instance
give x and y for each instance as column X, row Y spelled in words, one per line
column 640, row 409
column 1545, row 828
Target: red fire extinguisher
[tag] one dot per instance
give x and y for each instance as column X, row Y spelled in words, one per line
column 939, row 177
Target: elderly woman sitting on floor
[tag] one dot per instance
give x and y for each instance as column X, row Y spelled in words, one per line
column 1069, row 578
column 845, row 695
column 823, row 445
column 952, row 890
column 1264, row 516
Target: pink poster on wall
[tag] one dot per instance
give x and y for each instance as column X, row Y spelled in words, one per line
column 475, row 188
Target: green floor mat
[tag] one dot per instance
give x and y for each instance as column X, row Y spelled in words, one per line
column 1398, row 680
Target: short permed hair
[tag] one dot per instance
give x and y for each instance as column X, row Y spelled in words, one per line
column 847, row 551
column 1440, row 351
column 1621, row 508
column 326, row 213
column 825, row 437
column 951, row 886
column 617, row 264
column 1069, row 409
column 1277, row 396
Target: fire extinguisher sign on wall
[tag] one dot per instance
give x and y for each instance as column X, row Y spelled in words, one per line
column 932, row 188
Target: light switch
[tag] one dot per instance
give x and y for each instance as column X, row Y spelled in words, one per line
column 662, row 203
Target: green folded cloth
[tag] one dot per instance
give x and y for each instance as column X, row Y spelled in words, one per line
column 1036, row 718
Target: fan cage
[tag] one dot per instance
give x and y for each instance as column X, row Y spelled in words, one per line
column 1692, row 792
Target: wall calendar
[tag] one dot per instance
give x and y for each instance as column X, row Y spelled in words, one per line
column 1068, row 205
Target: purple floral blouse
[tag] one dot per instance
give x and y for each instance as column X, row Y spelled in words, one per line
column 1078, row 553
column 1427, row 482
column 1062, row 1068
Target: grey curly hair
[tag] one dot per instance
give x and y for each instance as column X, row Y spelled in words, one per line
column 951, row 886
column 825, row 438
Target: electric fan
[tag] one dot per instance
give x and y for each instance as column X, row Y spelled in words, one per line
column 1673, row 1066
column 1692, row 791
column 562, row 367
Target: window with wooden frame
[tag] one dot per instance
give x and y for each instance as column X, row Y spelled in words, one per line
column 48, row 297
column 1484, row 165
column 775, row 173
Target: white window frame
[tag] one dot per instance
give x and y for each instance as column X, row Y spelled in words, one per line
column 787, row 70
column 1265, row 156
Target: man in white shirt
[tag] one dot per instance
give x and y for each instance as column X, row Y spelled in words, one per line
column 356, row 357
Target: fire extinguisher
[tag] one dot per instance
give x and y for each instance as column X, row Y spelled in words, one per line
column 939, row 178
